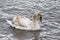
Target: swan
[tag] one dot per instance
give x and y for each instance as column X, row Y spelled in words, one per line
column 24, row 23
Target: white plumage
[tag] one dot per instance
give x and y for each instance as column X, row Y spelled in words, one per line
column 24, row 23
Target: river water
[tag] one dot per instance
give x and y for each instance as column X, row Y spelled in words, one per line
column 50, row 27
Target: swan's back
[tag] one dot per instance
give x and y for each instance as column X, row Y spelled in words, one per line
column 22, row 21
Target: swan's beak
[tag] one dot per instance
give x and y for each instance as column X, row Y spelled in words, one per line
column 41, row 19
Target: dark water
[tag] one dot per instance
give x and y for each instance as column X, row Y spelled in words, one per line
column 50, row 10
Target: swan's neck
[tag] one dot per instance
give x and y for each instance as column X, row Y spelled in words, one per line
column 36, row 23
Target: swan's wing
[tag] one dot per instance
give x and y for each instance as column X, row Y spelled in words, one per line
column 26, row 22
column 17, row 27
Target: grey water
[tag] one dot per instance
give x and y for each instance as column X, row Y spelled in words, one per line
column 50, row 27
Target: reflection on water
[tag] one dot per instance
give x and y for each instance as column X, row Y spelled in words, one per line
column 26, row 35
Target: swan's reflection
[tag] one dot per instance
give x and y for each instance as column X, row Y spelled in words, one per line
column 26, row 35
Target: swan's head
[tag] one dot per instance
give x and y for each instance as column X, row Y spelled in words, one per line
column 37, row 16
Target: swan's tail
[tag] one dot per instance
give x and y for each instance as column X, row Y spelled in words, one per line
column 10, row 23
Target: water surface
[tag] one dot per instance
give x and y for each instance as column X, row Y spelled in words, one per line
column 50, row 10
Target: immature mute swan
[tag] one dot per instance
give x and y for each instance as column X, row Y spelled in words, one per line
column 22, row 22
